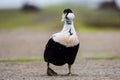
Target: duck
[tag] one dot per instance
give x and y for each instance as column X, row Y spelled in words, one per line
column 62, row 47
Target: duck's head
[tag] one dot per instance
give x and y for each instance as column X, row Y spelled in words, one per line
column 67, row 15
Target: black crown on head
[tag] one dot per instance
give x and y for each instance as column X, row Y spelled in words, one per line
column 67, row 11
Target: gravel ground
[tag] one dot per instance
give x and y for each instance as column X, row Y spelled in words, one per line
column 84, row 70
column 30, row 44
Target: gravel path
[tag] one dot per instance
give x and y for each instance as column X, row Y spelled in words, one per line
column 30, row 44
column 84, row 70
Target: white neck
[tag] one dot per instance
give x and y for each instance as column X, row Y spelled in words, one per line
column 69, row 26
column 67, row 36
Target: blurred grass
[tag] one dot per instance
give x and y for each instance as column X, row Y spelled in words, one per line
column 102, row 18
column 22, row 60
column 50, row 19
column 104, row 58
column 25, row 60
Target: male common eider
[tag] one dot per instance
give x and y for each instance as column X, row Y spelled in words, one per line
column 63, row 46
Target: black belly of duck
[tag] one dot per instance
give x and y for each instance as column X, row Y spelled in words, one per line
column 59, row 54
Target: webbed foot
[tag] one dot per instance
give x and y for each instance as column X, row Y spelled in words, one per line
column 50, row 72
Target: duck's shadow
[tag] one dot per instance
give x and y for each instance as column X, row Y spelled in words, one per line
column 67, row 75
column 62, row 75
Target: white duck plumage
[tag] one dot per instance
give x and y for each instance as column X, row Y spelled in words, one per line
column 67, row 36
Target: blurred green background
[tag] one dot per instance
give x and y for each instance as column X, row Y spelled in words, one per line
column 106, row 16
column 26, row 25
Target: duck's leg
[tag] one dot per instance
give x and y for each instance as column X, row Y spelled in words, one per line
column 50, row 72
column 48, row 65
column 69, row 68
